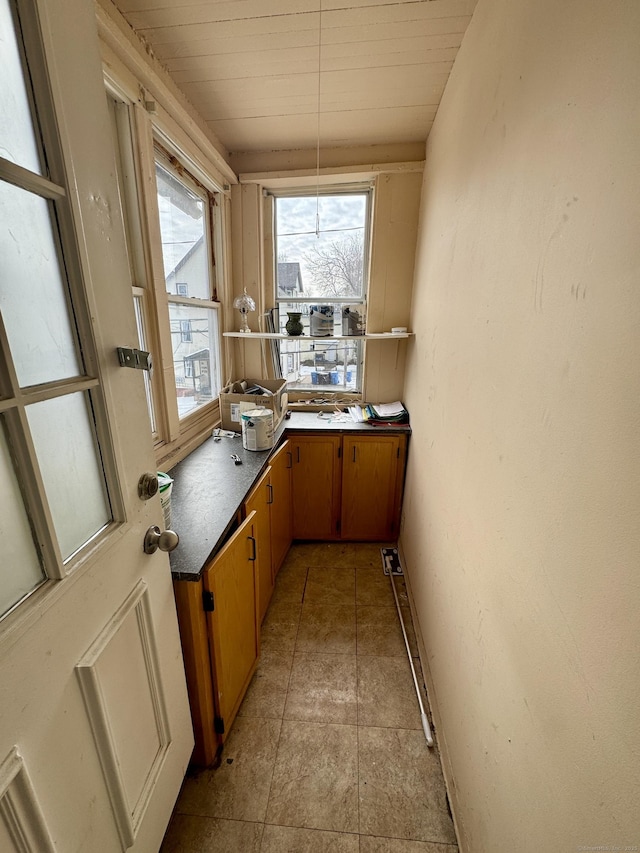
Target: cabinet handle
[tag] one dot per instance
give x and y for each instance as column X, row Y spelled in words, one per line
column 354, row 453
column 290, row 455
column 253, row 543
column 270, row 498
column 298, row 453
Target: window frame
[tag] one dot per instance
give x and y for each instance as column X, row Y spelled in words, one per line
column 208, row 411
column 174, row 437
column 296, row 392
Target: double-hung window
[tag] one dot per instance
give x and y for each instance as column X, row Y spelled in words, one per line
column 321, row 262
column 172, row 235
column 184, row 209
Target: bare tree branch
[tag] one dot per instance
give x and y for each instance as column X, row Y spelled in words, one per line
column 336, row 269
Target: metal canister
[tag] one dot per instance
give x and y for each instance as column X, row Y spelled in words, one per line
column 257, row 429
column 321, row 321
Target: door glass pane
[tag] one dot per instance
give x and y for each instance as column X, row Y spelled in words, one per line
column 17, row 139
column 32, row 296
column 64, row 438
column 183, row 230
column 21, row 569
column 194, row 336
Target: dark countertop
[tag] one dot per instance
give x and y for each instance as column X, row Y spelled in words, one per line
column 208, row 488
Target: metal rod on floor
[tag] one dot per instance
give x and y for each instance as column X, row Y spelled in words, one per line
column 423, row 716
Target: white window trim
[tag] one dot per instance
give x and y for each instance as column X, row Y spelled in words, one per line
column 174, row 437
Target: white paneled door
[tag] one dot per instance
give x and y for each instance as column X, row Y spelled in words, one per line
column 95, row 732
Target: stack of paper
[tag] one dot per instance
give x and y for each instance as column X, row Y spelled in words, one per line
column 380, row 413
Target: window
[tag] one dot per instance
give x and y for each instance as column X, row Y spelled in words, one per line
column 321, row 248
column 173, row 274
column 185, row 226
column 185, row 332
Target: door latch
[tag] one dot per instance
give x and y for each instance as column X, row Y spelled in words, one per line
column 136, row 358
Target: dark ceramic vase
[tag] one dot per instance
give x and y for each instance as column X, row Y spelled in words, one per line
column 294, row 327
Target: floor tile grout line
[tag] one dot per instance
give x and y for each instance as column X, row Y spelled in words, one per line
column 266, row 811
column 355, row 591
column 358, row 778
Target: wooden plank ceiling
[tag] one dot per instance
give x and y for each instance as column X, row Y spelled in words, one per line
column 256, row 70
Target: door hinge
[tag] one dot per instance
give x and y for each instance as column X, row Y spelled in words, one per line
column 208, row 602
column 218, row 725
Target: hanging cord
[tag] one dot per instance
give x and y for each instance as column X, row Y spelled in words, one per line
column 318, row 123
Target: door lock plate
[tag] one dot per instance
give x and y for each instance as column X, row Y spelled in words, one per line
column 136, row 358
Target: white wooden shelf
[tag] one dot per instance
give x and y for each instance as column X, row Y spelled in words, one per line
column 317, row 338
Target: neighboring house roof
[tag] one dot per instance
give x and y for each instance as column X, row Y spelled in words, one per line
column 195, row 356
column 290, row 277
column 197, row 246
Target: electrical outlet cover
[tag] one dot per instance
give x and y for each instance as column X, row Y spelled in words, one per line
column 391, row 561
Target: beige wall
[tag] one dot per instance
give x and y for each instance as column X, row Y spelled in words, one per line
column 393, row 245
column 521, row 534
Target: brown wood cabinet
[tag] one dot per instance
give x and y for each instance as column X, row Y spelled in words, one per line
column 347, row 487
column 233, row 619
column 372, row 479
column 316, row 486
column 281, row 505
column 270, row 498
column 219, row 623
column 259, row 500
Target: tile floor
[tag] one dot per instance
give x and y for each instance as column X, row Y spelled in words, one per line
column 327, row 753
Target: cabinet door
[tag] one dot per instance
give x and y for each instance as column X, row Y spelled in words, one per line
column 280, row 507
column 372, row 470
column 316, row 486
column 233, row 624
column 259, row 500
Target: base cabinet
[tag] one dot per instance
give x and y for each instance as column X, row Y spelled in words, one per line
column 219, row 623
column 259, row 501
column 281, row 506
column 316, row 486
column 372, row 479
column 270, row 499
column 347, row 487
